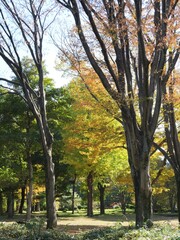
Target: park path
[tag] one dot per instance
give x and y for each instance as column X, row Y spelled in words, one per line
column 80, row 224
column 76, row 224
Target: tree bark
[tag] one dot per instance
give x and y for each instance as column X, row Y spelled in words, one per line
column 10, row 204
column 37, row 207
column 177, row 177
column 123, row 202
column 30, row 188
column 90, row 194
column 1, row 203
column 172, row 138
column 73, row 192
column 23, row 190
column 143, row 194
column 138, row 147
column 101, row 198
column 50, row 189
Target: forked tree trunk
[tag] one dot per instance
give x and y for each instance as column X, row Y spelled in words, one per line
column 101, row 198
column 90, row 194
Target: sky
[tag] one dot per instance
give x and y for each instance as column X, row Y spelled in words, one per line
column 50, row 60
column 50, row 57
column 59, row 27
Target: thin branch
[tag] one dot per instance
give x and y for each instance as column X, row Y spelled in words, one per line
column 10, row 81
column 13, row 91
column 159, row 172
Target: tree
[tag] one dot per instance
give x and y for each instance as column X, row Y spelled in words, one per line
column 91, row 142
column 129, row 53
column 171, row 114
column 21, row 133
column 27, row 29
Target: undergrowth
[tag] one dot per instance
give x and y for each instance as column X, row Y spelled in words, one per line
column 35, row 230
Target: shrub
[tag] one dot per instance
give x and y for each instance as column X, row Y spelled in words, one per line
column 104, row 234
column 55, row 235
column 35, row 227
column 156, row 233
column 34, row 230
column 12, row 231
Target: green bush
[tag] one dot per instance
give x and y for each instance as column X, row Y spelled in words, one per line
column 35, row 227
column 107, row 233
column 35, row 230
column 155, row 233
column 12, row 231
column 54, row 235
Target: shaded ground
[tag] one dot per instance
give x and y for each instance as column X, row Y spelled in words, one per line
column 80, row 224
column 75, row 224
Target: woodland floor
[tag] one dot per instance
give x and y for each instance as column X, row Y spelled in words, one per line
column 79, row 223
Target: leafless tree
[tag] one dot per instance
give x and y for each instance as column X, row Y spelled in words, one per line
column 127, row 43
column 23, row 24
column 171, row 129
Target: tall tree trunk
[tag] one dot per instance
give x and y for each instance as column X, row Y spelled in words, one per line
column 143, row 195
column 101, row 197
column 73, row 192
column 23, row 191
column 172, row 201
column 138, row 147
column 1, row 203
column 90, row 194
column 123, row 202
column 47, row 142
column 177, row 177
column 50, row 189
column 172, row 137
column 10, row 204
column 30, row 188
column 37, row 207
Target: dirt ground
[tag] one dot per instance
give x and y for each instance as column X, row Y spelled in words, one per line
column 80, row 224
column 77, row 224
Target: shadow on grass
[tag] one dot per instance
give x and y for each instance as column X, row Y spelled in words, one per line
column 112, row 216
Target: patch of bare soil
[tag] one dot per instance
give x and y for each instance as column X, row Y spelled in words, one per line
column 77, row 224
column 81, row 224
